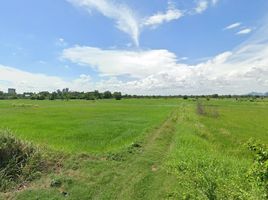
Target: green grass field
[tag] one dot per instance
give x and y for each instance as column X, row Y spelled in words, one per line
column 180, row 154
column 83, row 126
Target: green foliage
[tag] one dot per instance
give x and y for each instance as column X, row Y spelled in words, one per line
column 56, row 183
column 19, row 162
column 2, row 96
column 107, row 95
column 117, row 95
column 259, row 170
column 53, row 96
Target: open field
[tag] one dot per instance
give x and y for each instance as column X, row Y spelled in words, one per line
column 83, row 126
column 177, row 153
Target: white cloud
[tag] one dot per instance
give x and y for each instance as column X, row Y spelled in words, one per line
column 125, row 18
column 159, row 18
column 244, row 31
column 232, row 26
column 122, row 62
column 26, row 81
column 201, row 6
column 240, row 71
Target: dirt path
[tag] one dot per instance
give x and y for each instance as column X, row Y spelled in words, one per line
column 142, row 176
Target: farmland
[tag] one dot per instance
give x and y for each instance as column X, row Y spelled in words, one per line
column 140, row 148
column 83, row 126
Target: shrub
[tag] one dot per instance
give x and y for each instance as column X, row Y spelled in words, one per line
column 206, row 111
column 200, row 109
column 117, row 95
column 259, row 170
column 185, row 97
column 19, row 162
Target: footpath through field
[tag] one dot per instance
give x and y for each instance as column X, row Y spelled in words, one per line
column 142, row 175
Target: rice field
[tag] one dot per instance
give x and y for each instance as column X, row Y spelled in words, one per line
column 141, row 148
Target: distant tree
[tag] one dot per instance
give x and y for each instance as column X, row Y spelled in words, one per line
column 97, row 95
column 2, row 95
column 215, row 96
column 60, row 94
column 44, row 94
column 53, row 96
column 107, row 95
column 89, row 96
column 66, row 96
column 185, row 97
column 41, row 97
column 33, row 96
column 117, row 95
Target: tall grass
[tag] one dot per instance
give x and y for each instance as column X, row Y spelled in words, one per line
column 206, row 110
column 19, row 161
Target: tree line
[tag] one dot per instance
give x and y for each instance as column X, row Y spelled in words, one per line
column 65, row 94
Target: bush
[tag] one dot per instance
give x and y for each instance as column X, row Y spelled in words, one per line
column 208, row 111
column 200, row 109
column 117, row 95
column 259, row 170
column 19, row 162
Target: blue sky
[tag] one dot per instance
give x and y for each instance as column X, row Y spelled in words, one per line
column 143, row 47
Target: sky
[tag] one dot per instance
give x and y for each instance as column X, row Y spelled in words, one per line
column 152, row 47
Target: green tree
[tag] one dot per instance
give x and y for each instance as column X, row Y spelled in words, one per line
column 89, row 96
column 117, row 95
column 107, row 95
column 53, row 96
column 2, row 95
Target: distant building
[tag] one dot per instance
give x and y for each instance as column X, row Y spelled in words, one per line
column 65, row 90
column 11, row 91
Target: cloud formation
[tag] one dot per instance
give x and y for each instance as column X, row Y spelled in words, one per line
column 244, row 31
column 240, row 71
column 202, row 6
column 26, row 81
column 232, row 26
column 157, row 71
column 159, row 18
column 127, row 19
column 136, row 64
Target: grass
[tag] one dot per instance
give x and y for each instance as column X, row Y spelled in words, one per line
column 180, row 154
column 20, row 162
column 83, row 126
